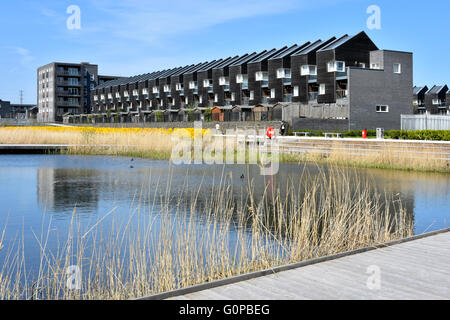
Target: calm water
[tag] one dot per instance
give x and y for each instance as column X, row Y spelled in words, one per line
column 37, row 188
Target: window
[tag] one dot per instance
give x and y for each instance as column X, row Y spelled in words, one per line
column 200, row 99
column 296, row 91
column 206, row 83
column 436, row 101
column 397, row 68
column 261, row 76
column 192, row 85
column 252, row 95
column 336, row 66
column 216, row 98
column 272, row 93
column 308, row 70
column 186, row 100
column 233, row 96
column 223, row 81
column 375, row 66
column 166, row 88
column 322, row 89
column 281, row 73
column 179, row 86
column 155, row 90
column 382, row 108
column 240, row 78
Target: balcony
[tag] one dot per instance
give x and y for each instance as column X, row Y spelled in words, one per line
column 66, row 93
column 195, row 91
column 341, row 94
column 245, row 101
column 67, row 104
column 244, row 85
column 313, row 96
column 342, row 75
column 68, row 83
column 181, row 92
column 287, row 81
column 287, row 97
column 265, row 84
column 68, row 73
column 226, row 88
column 312, row 79
column 227, row 102
column 265, row 100
column 210, row 89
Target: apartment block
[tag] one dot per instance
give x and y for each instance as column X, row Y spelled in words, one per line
column 342, row 83
column 65, row 88
column 5, row 109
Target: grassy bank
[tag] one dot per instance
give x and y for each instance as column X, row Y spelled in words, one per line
column 389, row 157
column 177, row 240
column 159, row 143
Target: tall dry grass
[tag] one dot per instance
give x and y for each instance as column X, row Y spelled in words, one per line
column 176, row 240
column 388, row 156
column 139, row 142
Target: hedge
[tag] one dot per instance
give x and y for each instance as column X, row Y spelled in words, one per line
column 431, row 135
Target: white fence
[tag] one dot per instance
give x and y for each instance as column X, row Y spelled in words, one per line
column 425, row 122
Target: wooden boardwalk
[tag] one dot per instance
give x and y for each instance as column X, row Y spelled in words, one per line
column 416, row 269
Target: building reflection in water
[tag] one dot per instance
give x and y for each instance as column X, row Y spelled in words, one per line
column 63, row 190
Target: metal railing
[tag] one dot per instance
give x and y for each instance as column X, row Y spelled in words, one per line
column 313, row 96
column 341, row 94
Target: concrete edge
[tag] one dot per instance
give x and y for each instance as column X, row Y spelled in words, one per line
column 258, row 274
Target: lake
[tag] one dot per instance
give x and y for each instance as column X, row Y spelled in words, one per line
column 54, row 188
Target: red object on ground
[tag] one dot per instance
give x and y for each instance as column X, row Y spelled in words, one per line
column 364, row 134
column 270, row 132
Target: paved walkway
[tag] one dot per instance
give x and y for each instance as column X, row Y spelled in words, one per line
column 418, row 269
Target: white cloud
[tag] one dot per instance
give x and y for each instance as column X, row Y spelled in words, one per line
column 151, row 21
column 24, row 55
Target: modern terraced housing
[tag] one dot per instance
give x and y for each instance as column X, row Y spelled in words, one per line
column 344, row 83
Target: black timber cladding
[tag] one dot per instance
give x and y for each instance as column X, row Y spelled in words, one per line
column 223, row 70
column 257, row 64
column 353, row 50
column 436, row 93
column 307, row 56
column 281, row 60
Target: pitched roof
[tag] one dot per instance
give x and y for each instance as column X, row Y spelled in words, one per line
column 248, row 58
column 336, row 43
column 417, row 90
column 266, row 55
column 437, row 89
column 287, row 52
column 230, row 61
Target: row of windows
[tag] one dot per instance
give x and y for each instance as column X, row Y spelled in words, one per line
column 306, row 70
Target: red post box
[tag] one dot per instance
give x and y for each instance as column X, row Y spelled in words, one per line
column 364, row 134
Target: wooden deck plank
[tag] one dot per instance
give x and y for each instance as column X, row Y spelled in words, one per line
column 419, row 269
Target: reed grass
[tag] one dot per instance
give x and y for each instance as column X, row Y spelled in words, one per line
column 390, row 157
column 159, row 143
column 172, row 239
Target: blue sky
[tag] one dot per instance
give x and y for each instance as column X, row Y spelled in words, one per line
column 133, row 37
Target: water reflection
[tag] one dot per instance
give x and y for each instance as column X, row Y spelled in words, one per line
column 96, row 184
column 60, row 190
